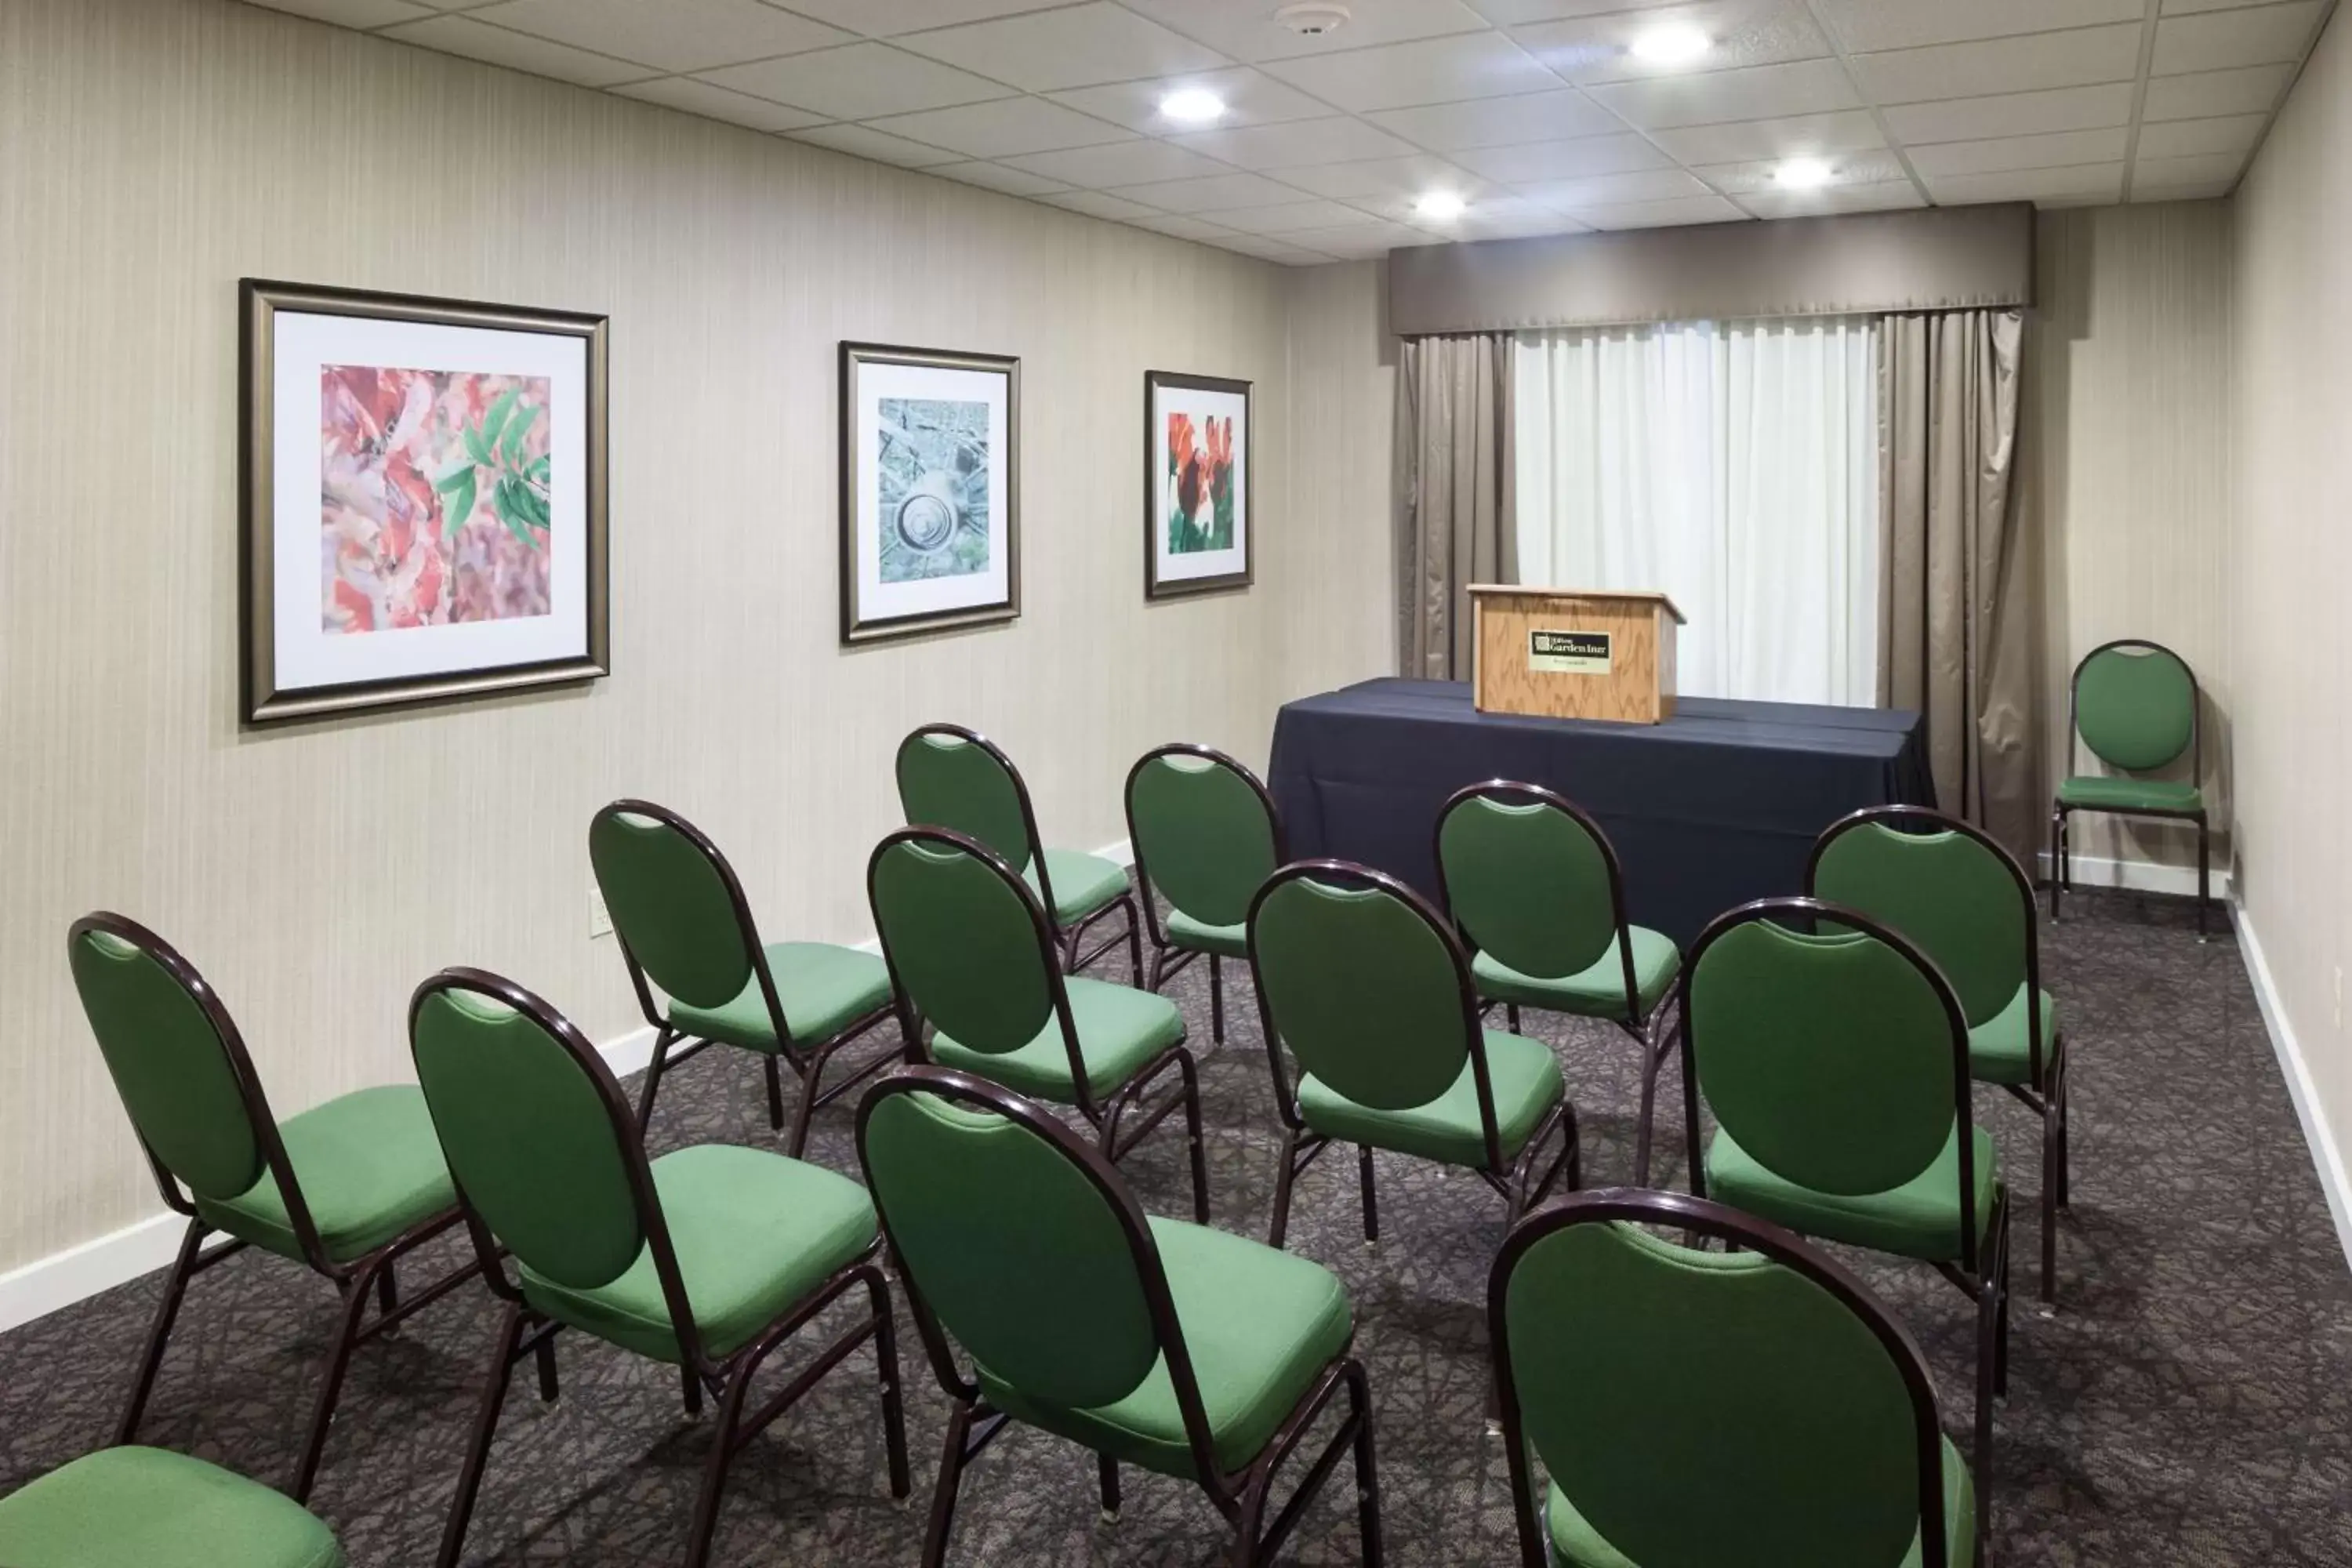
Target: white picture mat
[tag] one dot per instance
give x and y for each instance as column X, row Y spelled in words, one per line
column 306, row 654
column 880, row 601
column 1172, row 566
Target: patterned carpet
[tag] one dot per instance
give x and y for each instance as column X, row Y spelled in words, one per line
column 2190, row 1404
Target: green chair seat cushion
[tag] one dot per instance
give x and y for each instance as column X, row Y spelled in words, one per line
column 150, row 1508
column 1260, row 1326
column 1527, row 1082
column 2096, row 793
column 1921, row 1218
column 370, row 1167
column 1576, row 1544
column 1597, row 991
column 754, row 1233
column 823, row 988
column 1999, row 1050
column 1120, row 1030
column 1083, row 884
column 1228, row 941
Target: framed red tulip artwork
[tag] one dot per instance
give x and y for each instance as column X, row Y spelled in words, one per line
column 424, row 499
column 1196, row 485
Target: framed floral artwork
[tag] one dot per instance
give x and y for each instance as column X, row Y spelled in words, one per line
column 424, row 499
column 1196, row 484
column 930, row 490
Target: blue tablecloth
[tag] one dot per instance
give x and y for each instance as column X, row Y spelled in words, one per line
column 1716, row 805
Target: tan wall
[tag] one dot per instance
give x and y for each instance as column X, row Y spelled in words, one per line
column 151, row 151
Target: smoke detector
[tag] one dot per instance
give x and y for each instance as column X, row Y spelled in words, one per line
column 1313, row 18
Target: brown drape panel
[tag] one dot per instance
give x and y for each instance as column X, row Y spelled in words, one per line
column 1453, row 482
column 1955, row 619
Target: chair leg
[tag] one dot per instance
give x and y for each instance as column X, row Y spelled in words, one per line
column 175, row 1289
column 1653, row 1048
column 1107, row 1477
column 693, row 1391
column 1248, row 1519
column 2204, row 873
column 714, row 1470
column 1192, row 1137
column 662, row 1041
column 2052, row 1157
column 885, row 1367
column 775, row 1094
column 1134, row 941
column 477, row 1452
column 1371, row 1205
column 1511, row 1016
column 2064, row 1094
column 1987, row 1314
column 387, row 1292
column 339, row 1360
column 1368, row 1478
column 1216, row 999
column 1286, row 1177
column 796, row 1142
column 943, row 1494
column 2057, row 856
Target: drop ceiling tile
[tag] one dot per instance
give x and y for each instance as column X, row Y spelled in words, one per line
column 1077, row 46
column 2235, row 134
column 1513, row 13
column 1181, row 227
column 677, row 35
column 518, row 51
column 1431, row 71
column 1574, row 160
column 2002, row 65
column 1095, row 203
column 2083, row 184
column 1251, row 97
column 1763, row 174
column 1498, row 121
column 1868, row 25
column 718, row 103
column 352, row 12
column 1881, row 197
column 1210, row 194
column 1742, row 33
column 2176, row 173
column 1512, row 220
column 2250, row 90
column 1121, row 164
column 1759, row 92
column 880, row 145
column 1273, row 250
column 887, row 18
column 1288, row 219
column 858, row 81
column 1360, row 241
column 1804, row 135
column 2183, row 7
column 1663, row 215
column 997, row 177
column 2220, row 40
column 1380, row 178
column 2012, row 114
column 2065, row 149
column 1246, row 29
column 1003, row 127
column 1337, row 139
column 1614, row 190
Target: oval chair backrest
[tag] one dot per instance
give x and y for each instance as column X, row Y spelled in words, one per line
column 177, row 1074
column 1528, row 881
column 964, row 938
column 1644, row 1371
column 2134, row 705
column 674, row 901
column 1828, row 1058
column 533, row 1136
column 1011, row 1244
column 1363, row 983
column 1959, row 898
column 1202, row 832
column 950, row 778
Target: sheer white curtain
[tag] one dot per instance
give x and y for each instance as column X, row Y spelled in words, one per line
column 1734, row 465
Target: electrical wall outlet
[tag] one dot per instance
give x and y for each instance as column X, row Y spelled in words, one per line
column 600, row 920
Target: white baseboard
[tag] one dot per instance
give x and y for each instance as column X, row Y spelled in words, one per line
column 62, row 1279
column 2138, row 876
column 2326, row 1156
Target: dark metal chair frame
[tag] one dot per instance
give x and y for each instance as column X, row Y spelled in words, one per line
column 1167, row 960
column 1241, row 1497
column 2045, row 1094
column 1066, row 939
column 1982, row 1273
column 1515, row 1181
column 1700, row 1217
column 2062, row 862
column 525, row 1332
column 1644, row 1028
column 1108, row 1118
column 808, row 1061
column 355, row 1280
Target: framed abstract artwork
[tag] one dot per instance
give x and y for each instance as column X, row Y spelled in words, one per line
column 1196, row 484
column 930, row 490
column 424, row 500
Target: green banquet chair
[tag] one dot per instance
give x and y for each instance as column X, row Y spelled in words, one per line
column 150, row 1508
column 345, row 1189
column 1693, row 1408
column 1969, row 904
column 1365, row 984
column 1835, row 1059
column 1183, row 1349
column 1536, row 891
column 956, row 778
column 1205, row 836
column 2135, row 705
column 686, row 930
column 706, row 1259
column 974, row 962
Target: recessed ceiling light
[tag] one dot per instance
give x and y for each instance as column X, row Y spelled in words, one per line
column 1803, row 173
column 1670, row 44
column 1440, row 207
column 1192, row 105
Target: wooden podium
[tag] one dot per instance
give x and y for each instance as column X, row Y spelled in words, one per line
column 1561, row 654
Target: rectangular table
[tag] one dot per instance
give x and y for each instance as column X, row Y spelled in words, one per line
column 1716, row 805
